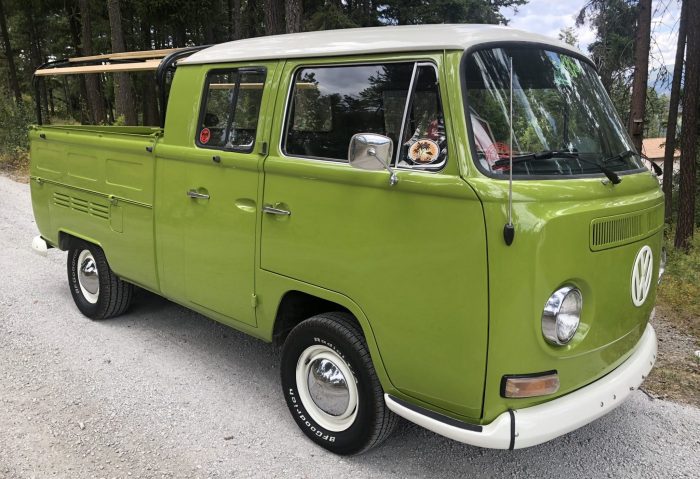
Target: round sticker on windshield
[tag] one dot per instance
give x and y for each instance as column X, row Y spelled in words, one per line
column 497, row 151
column 204, row 136
column 423, row 151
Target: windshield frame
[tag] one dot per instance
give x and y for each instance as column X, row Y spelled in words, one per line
column 470, row 130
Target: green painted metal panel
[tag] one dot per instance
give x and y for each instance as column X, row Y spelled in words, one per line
column 551, row 248
column 412, row 256
column 206, row 246
column 74, row 190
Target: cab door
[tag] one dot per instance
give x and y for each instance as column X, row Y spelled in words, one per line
column 208, row 219
column 412, row 255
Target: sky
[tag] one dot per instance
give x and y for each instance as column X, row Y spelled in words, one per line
column 548, row 17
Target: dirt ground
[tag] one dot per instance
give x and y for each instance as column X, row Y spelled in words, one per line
column 676, row 374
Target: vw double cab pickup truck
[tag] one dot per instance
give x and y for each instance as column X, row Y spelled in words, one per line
column 444, row 223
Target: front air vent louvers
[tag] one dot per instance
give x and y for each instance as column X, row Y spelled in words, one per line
column 612, row 231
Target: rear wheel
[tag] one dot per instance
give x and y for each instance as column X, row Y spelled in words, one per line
column 331, row 387
column 96, row 290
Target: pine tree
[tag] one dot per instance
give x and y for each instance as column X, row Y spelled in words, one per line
column 689, row 133
column 670, row 148
column 123, row 91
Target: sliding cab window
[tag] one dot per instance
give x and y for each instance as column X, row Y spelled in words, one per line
column 328, row 105
column 231, row 106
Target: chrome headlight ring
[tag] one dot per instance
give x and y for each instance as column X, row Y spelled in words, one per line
column 562, row 314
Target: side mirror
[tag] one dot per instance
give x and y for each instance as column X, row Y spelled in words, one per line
column 372, row 152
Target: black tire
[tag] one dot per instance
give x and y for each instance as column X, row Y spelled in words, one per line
column 113, row 296
column 373, row 421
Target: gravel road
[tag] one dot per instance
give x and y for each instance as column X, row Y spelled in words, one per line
column 164, row 392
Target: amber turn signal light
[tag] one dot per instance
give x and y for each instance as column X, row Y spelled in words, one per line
column 530, row 385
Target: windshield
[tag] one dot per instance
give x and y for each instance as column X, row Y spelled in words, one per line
column 563, row 120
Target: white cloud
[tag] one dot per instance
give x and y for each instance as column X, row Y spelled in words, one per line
column 549, row 18
column 544, row 16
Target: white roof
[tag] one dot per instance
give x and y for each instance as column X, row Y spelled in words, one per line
column 356, row 41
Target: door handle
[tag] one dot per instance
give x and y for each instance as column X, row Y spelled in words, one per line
column 196, row 194
column 269, row 209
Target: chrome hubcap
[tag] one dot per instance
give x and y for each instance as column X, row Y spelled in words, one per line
column 327, row 388
column 88, row 276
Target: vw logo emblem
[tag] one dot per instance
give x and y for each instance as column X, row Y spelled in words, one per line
column 641, row 275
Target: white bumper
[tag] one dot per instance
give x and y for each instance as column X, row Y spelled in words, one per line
column 39, row 246
column 537, row 424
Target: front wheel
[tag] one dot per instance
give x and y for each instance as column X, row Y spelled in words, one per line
column 331, row 387
column 96, row 290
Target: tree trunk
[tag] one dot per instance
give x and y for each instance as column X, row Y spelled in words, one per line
column 208, row 24
column 641, row 74
column 274, row 17
column 12, row 70
column 670, row 150
column 69, row 98
column 250, row 27
column 36, row 59
column 52, row 107
column 293, row 10
column 180, row 35
column 96, row 103
column 123, row 93
column 236, row 19
column 74, row 25
column 689, row 134
column 150, row 105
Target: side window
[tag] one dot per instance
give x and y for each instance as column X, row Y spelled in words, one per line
column 328, row 105
column 229, row 115
column 424, row 141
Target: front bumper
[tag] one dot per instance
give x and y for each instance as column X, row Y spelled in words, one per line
column 534, row 425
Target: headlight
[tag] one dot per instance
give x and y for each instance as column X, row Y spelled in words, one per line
column 561, row 315
column 662, row 263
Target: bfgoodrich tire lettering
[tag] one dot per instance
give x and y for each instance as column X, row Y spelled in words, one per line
column 366, row 421
column 107, row 295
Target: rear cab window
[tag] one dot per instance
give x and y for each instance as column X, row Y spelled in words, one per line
column 329, row 104
column 230, row 109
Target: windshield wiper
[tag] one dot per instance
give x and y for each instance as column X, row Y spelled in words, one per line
column 549, row 154
column 620, row 156
column 624, row 154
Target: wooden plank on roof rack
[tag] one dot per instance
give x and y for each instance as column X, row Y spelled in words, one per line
column 127, row 55
column 148, row 65
column 257, row 86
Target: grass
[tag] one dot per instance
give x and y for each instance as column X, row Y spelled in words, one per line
column 677, row 372
column 15, row 164
column 679, row 289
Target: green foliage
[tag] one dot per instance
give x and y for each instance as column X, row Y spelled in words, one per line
column 614, row 22
column 679, row 287
column 330, row 16
column 45, row 30
column 568, row 35
column 14, row 120
column 406, row 12
column 655, row 114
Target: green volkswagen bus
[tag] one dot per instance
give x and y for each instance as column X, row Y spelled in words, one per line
column 446, row 223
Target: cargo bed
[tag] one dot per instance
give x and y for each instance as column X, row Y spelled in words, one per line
column 98, row 182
